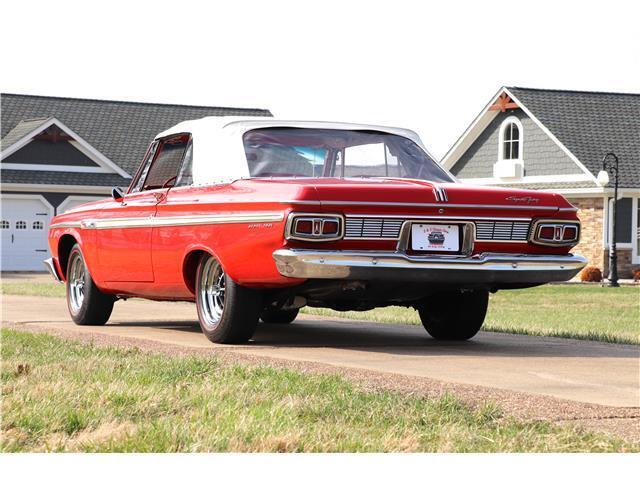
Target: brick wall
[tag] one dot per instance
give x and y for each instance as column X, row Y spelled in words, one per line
column 591, row 214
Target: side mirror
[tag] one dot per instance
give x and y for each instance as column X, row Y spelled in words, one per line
column 117, row 194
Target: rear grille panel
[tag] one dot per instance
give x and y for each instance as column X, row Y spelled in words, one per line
column 501, row 231
column 385, row 228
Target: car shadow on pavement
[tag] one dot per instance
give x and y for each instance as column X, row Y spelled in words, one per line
column 403, row 340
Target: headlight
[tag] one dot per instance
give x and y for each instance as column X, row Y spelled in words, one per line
column 314, row 227
column 555, row 232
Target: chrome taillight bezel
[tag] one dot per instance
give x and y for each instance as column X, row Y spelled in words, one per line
column 322, row 218
column 557, row 225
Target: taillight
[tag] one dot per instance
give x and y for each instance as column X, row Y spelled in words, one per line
column 555, row 233
column 312, row 227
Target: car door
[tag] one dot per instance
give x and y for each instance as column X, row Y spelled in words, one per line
column 125, row 229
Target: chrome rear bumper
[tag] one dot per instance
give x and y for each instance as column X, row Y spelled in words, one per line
column 489, row 268
column 51, row 267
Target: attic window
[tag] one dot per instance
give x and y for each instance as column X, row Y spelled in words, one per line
column 510, row 141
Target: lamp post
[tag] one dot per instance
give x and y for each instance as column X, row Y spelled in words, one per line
column 610, row 163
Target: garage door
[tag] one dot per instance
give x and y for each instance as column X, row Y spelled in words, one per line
column 24, row 225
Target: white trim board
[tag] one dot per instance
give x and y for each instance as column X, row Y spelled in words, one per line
column 107, row 165
column 579, row 177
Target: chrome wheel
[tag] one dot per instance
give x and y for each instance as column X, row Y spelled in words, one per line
column 212, row 293
column 76, row 283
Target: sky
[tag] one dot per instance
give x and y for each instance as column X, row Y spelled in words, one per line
column 428, row 66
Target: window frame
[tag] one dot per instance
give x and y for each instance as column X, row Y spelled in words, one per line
column 153, row 151
column 507, row 122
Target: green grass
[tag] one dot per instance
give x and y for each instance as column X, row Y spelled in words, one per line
column 35, row 288
column 60, row 395
column 582, row 312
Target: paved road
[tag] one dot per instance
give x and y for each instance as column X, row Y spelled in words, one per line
column 592, row 372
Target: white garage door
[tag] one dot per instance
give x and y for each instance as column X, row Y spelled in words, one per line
column 24, row 224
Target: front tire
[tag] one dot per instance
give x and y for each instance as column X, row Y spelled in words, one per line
column 87, row 305
column 454, row 315
column 227, row 312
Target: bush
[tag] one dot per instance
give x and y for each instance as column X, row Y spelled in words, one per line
column 591, row 274
column 636, row 275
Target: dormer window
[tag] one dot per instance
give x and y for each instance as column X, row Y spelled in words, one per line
column 511, row 141
column 510, row 138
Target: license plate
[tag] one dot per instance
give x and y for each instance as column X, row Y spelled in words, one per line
column 435, row 237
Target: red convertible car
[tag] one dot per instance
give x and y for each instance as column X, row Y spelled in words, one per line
column 255, row 218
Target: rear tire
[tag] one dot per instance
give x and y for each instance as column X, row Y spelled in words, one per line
column 227, row 312
column 87, row 304
column 454, row 315
column 279, row 316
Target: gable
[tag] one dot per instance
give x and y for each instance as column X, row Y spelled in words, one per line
column 541, row 155
column 69, row 151
column 43, row 152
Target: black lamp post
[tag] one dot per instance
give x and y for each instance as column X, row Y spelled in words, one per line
column 610, row 163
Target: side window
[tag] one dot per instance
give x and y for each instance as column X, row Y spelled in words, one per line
column 166, row 166
column 185, row 177
column 21, row 225
column 37, row 225
column 146, row 163
column 4, row 224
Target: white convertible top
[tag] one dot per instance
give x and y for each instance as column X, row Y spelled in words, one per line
column 218, row 151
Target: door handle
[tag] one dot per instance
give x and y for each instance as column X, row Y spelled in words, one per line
column 12, row 238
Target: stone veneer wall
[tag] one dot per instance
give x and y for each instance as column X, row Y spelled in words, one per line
column 591, row 214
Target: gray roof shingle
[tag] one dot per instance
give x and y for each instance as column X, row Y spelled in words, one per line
column 119, row 130
column 22, row 129
column 591, row 124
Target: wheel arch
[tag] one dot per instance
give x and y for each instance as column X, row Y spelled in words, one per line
column 190, row 265
column 65, row 244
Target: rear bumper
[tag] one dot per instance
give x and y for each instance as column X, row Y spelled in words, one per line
column 489, row 268
column 51, row 267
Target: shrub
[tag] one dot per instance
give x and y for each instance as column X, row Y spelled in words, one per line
column 591, row 274
column 636, row 275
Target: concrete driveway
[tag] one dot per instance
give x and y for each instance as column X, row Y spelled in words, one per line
column 591, row 372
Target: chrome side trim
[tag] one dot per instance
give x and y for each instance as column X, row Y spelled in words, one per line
column 487, row 268
column 52, row 269
column 66, row 225
column 177, row 221
column 426, row 205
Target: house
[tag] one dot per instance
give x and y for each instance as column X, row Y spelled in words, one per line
column 555, row 140
column 60, row 152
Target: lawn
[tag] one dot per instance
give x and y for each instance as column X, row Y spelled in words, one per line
column 572, row 311
column 61, row 395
